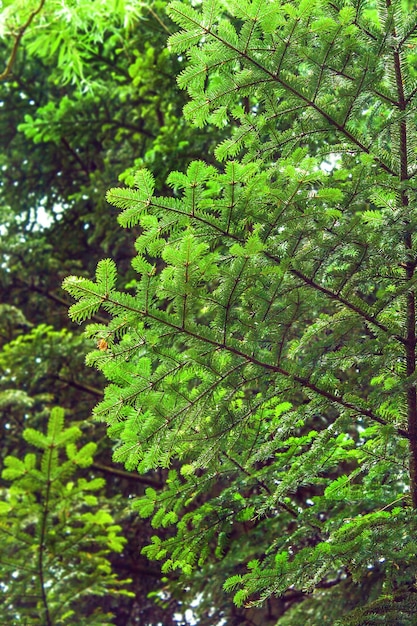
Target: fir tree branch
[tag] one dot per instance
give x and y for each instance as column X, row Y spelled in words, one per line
column 366, row 31
column 328, row 292
column 407, row 36
column 386, row 98
column 408, row 100
column 261, row 483
column 338, row 298
column 51, row 295
column 265, row 487
column 276, row 77
column 263, row 365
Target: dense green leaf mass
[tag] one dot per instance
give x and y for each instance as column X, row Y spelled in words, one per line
column 73, row 118
column 258, row 337
column 268, row 354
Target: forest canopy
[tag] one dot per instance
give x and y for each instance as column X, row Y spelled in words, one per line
column 227, row 191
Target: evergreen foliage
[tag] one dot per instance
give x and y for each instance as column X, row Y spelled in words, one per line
column 72, row 117
column 267, row 354
column 52, row 524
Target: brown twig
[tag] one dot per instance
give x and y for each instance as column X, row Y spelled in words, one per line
column 114, row 471
column 17, row 40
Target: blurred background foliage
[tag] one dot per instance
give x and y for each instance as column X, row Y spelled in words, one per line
column 88, row 92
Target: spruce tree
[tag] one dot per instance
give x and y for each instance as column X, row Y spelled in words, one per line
column 266, row 353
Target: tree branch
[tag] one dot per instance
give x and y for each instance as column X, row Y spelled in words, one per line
column 114, row 471
column 120, row 563
column 55, row 298
column 18, row 38
column 305, row 382
column 276, row 77
column 42, row 537
column 335, row 296
column 82, row 386
column 410, row 344
column 328, row 292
